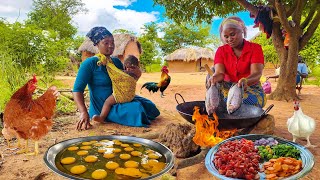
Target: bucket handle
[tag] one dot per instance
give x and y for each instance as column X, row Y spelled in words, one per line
column 265, row 112
column 178, row 94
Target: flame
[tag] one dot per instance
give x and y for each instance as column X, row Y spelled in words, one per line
column 207, row 132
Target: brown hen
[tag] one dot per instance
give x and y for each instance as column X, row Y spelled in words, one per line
column 28, row 118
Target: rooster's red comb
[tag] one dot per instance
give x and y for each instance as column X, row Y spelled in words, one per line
column 34, row 78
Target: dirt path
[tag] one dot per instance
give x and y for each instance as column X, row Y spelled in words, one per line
column 191, row 87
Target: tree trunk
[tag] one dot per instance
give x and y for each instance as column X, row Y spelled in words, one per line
column 288, row 65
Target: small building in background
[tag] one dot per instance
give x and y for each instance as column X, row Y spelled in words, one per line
column 190, row 59
column 125, row 44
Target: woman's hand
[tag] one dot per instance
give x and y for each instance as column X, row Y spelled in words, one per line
column 212, row 81
column 244, row 82
column 84, row 121
column 215, row 79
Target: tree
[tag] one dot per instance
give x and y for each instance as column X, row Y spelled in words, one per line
column 311, row 52
column 149, row 43
column 56, row 15
column 123, row 31
column 269, row 52
column 178, row 35
column 300, row 34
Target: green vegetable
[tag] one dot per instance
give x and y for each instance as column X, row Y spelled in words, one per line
column 280, row 150
column 285, row 150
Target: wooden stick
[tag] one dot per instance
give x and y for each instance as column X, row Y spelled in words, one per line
column 208, row 69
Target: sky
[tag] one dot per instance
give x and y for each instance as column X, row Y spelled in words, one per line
column 113, row 14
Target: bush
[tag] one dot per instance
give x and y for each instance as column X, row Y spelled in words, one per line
column 65, row 106
column 316, row 74
column 153, row 68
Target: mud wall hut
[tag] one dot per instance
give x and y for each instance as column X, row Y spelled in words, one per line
column 125, row 44
column 189, row 59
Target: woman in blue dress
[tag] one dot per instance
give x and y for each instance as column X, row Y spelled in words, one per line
column 139, row 112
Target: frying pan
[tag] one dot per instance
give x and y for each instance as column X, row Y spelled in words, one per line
column 246, row 116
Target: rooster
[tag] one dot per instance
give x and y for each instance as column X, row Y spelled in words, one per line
column 301, row 125
column 162, row 85
column 28, row 118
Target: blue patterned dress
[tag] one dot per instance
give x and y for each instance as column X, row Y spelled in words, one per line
column 139, row 112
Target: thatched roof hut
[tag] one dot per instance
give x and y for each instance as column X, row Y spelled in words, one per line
column 125, row 44
column 189, row 59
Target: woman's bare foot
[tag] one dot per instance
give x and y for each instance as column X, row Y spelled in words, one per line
column 97, row 118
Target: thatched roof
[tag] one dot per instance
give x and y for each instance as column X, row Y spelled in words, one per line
column 190, row 54
column 120, row 42
column 87, row 45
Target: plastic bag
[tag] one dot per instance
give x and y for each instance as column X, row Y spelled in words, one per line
column 266, row 87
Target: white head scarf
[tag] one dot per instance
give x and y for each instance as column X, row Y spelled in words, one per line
column 233, row 22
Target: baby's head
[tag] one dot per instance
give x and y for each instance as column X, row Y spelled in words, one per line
column 131, row 61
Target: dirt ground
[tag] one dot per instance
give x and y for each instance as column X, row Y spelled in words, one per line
column 191, row 87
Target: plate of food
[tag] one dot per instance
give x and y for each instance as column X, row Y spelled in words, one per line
column 256, row 156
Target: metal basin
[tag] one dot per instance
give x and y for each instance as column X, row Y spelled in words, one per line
column 51, row 153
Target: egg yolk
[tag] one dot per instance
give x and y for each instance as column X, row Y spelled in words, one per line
column 116, row 150
column 125, row 156
column 82, row 153
column 136, row 153
column 68, row 160
column 91, row 158
column 128, row 149
column 119, row 170
column 124, row 145
column 131, row 164
column 117, row 142
column 108, row 156
column 149, row 151
column 73, row 148
column 153, row 156
column 105, row 140
column 99, row 174
column 137, row 145
column 86, row 143
column 85, row 147
column 133, row 172
column 78, row 169
column 101, row 150
column 97, row 144
column 94, row 141
column 112, row 165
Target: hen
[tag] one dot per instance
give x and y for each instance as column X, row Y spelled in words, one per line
column 162, row 84
column 301, row 125
column 29, row 118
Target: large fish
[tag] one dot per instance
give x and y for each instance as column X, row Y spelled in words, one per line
column 234, row 100
column 212, row 94
column 212, row 99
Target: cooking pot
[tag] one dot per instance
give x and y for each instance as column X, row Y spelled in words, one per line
column 246, row 116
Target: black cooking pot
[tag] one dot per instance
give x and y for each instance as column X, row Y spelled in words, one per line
column 246, row 116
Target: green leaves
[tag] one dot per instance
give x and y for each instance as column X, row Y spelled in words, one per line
column 198, row 11
column 178, row 35
column 56, row 15
column 41, row 45
column 269, row 52
column 150, row 44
